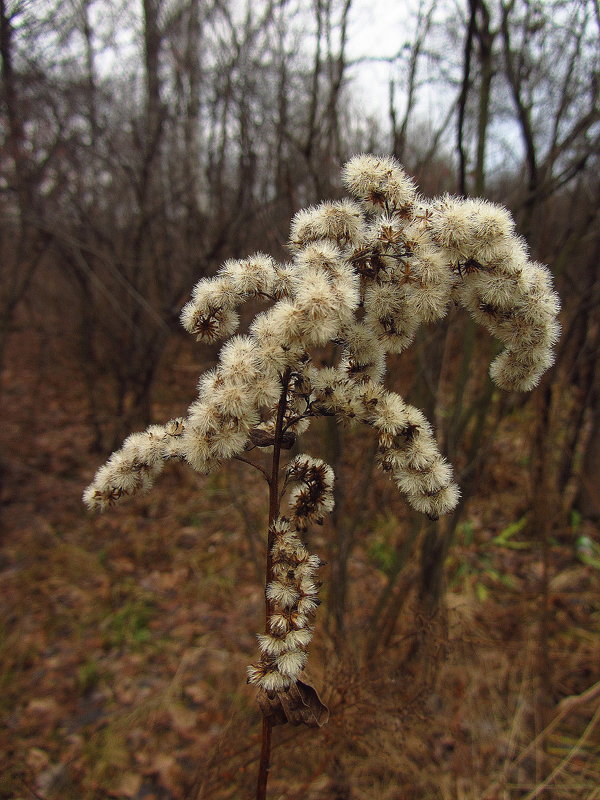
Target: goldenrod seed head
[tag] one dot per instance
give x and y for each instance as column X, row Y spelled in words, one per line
column 254, row 275
column 284, row 594
column 341, row 222
column 380, row 182
column 291, row 663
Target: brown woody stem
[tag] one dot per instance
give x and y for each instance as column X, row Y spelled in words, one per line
column 265, row 753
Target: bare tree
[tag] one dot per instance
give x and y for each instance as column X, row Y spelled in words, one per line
column 24, row 238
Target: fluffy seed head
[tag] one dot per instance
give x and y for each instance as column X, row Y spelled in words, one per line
column 365, row 276
column 380, row 182
column 284, row 594
column 254, row 275
column 341, row 222
column 291, row 663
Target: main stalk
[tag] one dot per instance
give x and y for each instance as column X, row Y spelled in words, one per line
column 265, row 752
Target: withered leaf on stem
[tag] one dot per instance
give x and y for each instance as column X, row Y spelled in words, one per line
column 299, row 704
column 261, row 438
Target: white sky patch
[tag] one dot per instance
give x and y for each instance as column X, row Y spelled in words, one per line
column 376, row 30
column 381, row 35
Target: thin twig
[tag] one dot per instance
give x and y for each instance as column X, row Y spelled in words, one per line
column 256, row 466
column 569, row 757
column 566, row 705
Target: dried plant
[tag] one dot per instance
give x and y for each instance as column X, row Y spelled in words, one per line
column 365, row 274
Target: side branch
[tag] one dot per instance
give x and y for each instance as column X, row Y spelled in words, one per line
column 264, row 472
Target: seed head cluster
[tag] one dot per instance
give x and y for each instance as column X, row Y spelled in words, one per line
column 365, row 274
column 292, row 590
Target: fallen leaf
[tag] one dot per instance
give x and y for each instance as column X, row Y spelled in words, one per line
column 183, row 719
column 37, row 759
column 130, row 784
column 42, row 706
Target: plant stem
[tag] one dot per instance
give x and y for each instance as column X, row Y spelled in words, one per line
column 265, row 752
column 265, row 760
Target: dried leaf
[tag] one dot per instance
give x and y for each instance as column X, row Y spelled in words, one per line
column 300, row 704
column 42, row 706
column 183, row 719
column 260, row 438
column 37, row 759
column 168, row 771
column 130, row 784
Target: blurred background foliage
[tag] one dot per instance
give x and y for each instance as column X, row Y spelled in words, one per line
column 143, row 142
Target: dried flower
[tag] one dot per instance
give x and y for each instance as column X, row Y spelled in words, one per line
column 365, row 275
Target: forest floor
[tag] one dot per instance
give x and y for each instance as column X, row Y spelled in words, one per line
column 125, row 637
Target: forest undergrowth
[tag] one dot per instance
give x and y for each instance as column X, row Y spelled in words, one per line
column 124, row 638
